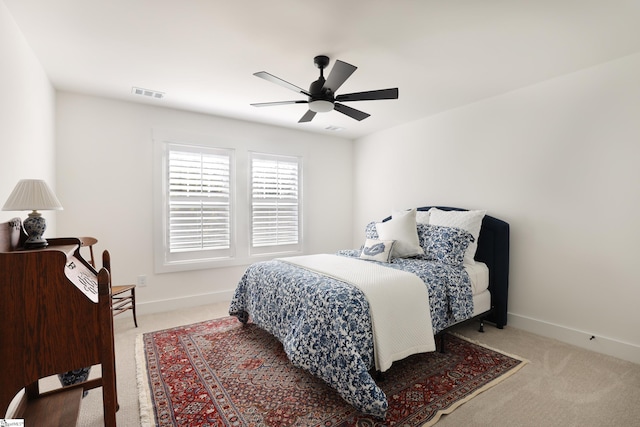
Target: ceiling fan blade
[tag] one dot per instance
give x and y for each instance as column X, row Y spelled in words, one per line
column 308, row 116
column 279, row 81
column 338, row 75
column 351, row 112
column 369, row 95
column 270, row 104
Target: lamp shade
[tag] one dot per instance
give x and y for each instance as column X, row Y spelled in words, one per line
column 32, row 194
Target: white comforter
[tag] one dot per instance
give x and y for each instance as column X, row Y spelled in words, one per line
column 398, row 300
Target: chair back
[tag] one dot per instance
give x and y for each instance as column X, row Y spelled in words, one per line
column 89, row 242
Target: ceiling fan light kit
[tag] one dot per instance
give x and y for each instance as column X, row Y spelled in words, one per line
column 320, row 106
column 320, row 96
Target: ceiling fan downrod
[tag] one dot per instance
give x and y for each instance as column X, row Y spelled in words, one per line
column 321, row 99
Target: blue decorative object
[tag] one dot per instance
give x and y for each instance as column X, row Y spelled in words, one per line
column 75, row 377
column 376, row 249
column 34, row 226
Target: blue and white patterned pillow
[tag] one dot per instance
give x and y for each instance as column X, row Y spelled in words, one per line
column 466, row 220
column 444, row 244
column 370, row 231
column 377, row 250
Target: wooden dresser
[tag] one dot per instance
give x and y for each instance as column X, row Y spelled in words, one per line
column 55, row 316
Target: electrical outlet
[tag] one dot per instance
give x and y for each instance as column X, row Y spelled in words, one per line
column 142, row 280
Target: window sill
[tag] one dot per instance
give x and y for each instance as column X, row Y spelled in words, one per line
column 207, row 264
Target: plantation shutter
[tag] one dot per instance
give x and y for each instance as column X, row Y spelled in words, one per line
column 199, row 199
column 275, row 201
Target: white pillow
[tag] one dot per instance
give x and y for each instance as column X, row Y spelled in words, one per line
column 377, row 250
column 467, row 220
column 403, row 230
column 422, row 217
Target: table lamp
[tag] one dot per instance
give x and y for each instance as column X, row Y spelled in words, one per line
column 33, row 195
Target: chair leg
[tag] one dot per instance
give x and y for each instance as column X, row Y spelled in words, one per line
column 121, row 303
column 133, row 301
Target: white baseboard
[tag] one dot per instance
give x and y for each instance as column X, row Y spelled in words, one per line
column 160, row 306
column 604, row 345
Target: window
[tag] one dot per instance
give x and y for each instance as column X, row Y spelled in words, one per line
column 199, row 202
column 275, row 203
column 219, row 207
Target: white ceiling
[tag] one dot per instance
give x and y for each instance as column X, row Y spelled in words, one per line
column 441, row 54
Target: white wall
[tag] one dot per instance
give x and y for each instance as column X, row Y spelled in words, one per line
column 27, row 145
column 105, row 176
column 559, row 162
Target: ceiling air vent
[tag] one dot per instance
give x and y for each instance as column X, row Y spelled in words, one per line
column 147, row 92
column 334, row 128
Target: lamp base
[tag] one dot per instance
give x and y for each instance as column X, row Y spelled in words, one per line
column 34, row 226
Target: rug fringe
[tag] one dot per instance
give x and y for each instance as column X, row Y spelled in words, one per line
column 486, row 387
column 147, row 418
column 472, row 341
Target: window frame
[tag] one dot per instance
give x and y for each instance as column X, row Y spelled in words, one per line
column 165, row 259
column 240, row 199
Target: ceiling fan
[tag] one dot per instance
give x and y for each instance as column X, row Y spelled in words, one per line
column 321, row 93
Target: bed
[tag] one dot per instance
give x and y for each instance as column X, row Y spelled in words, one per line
column 345, row 316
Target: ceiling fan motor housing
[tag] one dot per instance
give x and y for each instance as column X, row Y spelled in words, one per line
column 318, row 91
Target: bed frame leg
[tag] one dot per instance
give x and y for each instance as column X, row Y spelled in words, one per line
column 441, row 343
column 242, row 316
column 379, row 375
column 481, row 326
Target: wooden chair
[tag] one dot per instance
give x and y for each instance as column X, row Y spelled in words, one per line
column 89, row 242
column 123, row 297
column 122, row 302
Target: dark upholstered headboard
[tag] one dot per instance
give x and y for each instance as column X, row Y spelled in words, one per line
column 493, row 250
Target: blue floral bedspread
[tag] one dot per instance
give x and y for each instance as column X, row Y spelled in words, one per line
column 324, row 323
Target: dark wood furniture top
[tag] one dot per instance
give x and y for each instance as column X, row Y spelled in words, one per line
column 56, row 317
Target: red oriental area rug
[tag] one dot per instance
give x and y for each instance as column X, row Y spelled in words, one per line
column 220, row 373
